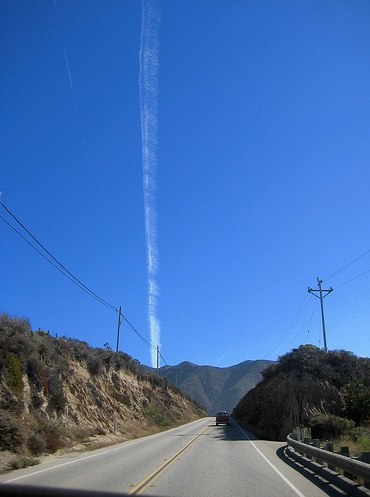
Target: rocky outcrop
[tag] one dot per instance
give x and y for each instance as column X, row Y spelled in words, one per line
column 286, row 400
column 56, row 391
column 304, row 385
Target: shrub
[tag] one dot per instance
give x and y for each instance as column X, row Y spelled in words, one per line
column 156, row 416
column 22, row 462
column 33, row 368
column 94, row 365
column 57, row 398
column 82, row 433
column 365, row 443
column 37, row 444
column 11, row 433
column 52, row 433
column 357, row 401
column 36, row 400
column 14, row 326
column 14, row 373
column 330, row 427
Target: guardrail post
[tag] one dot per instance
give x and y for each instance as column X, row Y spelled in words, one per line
column 330, row 447
column 365, row 457
column 317, row 443
column 358, row 469
column 344, row 451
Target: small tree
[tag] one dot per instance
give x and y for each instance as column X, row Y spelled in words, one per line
column 357, row 401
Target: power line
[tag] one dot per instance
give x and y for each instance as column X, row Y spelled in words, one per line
column 289, row 327
column 42, row 255
column 154, row 347
column 352, row 279
column 161, row 356
column 347, row 265
column 139, row 334
column 64, row 270
column 39, row 251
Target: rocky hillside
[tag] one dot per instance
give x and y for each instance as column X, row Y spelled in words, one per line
column 215, row 388
column 58, row 392
column 303, row 385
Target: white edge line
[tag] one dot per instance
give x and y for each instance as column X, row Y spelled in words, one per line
column 101, row 452
column 284, row 478
column 62, row 464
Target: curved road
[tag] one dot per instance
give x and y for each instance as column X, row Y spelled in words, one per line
column 198, row 460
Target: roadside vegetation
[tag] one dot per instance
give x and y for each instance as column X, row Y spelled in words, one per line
column 326, row 391
column 349, row 424
column 60, row 393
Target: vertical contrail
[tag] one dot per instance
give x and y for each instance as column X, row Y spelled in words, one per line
column 66, row 60
column 148, row 86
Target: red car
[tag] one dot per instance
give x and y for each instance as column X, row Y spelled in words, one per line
column 222, row 418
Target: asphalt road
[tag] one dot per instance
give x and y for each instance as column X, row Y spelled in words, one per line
column 199, row 459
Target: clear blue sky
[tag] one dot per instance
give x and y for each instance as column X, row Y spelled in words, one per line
column 261, row 175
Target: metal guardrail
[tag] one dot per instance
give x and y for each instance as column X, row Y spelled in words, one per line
column 355, row 468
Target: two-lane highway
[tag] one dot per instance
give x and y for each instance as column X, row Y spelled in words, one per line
column 199, row 459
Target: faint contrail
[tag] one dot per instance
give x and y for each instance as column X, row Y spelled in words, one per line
column 68, row 68
column 148, row 86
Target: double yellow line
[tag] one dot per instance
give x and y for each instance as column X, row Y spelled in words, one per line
column 142, row 486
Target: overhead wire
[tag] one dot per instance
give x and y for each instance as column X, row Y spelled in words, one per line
column 304, row 325
column 290, row 326
column 142, row 337
column 163, row 359
column 138, row 333
column 63, row 270
column 303, row 305
column 352, row 279
column 347, row 265
column 43, row 255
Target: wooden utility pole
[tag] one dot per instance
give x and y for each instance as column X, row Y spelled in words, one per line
column 321, row 294
column 118, row 327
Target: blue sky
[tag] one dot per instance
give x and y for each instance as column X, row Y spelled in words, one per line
column 260, row 173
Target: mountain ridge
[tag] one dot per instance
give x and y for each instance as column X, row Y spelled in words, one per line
column 213, row 387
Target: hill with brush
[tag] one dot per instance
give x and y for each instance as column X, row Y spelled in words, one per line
column 328, row 391
column 57, row 393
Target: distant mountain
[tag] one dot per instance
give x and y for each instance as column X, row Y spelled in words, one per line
column 215, row 388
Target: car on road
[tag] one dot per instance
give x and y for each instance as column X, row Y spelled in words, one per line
column 222, row 418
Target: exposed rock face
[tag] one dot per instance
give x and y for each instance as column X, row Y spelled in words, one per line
column 120, row 397
column 305, row 384
column 275, row 406
column 53, row 390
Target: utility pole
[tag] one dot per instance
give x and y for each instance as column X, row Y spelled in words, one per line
column 118, row 327
column 321, row 294
column 157, row 360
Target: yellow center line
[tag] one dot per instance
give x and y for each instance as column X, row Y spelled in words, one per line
column 138, row 489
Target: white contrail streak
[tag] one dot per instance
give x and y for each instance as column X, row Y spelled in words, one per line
column 68, row 68
column 148, row 86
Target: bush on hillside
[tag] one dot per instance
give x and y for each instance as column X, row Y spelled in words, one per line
column 357, row 401
column 57, row 399
column 326, row 427
column 36, row 444
column 14, row 373
column 11, row 432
